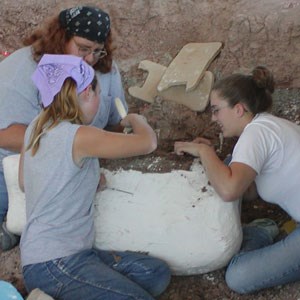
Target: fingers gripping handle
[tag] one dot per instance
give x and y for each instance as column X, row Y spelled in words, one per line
column 122, row 112
column 120, row 107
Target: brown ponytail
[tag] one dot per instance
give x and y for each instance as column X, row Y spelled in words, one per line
column 255, row 91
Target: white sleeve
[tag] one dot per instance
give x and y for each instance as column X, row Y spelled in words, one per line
column 257, row 147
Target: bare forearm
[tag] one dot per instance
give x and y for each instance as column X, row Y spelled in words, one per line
column 219, row 174
column 230, row 182
column 12, row 138
column 142, row 129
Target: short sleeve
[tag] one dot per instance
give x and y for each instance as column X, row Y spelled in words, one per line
column 259, row 148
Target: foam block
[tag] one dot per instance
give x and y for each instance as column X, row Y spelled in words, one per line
column 175, row 216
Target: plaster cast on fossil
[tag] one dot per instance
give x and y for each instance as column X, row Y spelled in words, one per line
column 176, row 216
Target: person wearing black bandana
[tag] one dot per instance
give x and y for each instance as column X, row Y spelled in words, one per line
column 83, row 31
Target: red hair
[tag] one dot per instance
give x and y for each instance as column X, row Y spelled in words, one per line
column 51, row 38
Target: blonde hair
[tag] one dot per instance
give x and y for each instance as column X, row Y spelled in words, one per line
column 65, row 107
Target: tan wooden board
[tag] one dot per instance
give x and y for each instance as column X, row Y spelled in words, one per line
column 196, row 99
column 149, row 90
column 188, row 67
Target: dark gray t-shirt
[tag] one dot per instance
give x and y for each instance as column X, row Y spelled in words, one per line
column 59, row 198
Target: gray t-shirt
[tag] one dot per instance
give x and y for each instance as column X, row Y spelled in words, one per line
column 18, row 95
column 59, row 198
column 19, row 102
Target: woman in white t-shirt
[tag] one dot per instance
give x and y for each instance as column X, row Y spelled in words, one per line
column 266, row 159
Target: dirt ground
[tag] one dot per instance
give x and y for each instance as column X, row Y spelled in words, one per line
column 172, row 121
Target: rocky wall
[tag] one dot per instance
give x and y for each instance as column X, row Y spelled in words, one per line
column 253, row 32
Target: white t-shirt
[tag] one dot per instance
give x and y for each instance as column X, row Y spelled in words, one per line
column 271, row 146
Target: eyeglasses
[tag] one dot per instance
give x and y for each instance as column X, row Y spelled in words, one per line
column 215, row 110
column 84, row 51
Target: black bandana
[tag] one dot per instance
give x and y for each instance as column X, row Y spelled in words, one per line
column 87, row 22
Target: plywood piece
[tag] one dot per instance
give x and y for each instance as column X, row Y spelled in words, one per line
column 148, row 91
column 196, row 99
column 188, row 67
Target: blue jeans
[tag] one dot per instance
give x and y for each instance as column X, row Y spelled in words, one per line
column 3, row 198
column 96, row 274
column 262, row 264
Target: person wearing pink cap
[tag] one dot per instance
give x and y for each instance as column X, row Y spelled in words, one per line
column 83, row 31
column 59, row 172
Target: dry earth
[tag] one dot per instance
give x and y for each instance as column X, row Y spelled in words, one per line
column 253, row 32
